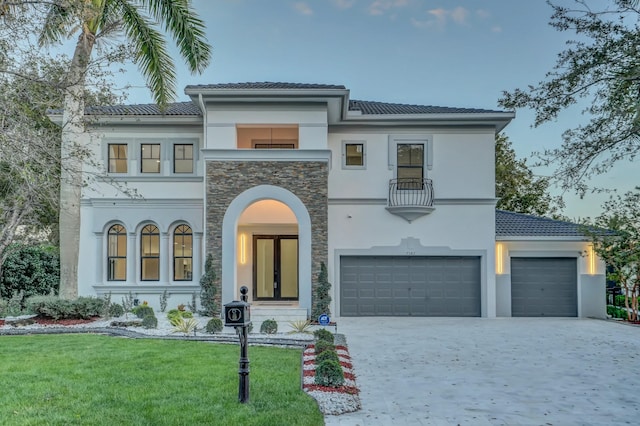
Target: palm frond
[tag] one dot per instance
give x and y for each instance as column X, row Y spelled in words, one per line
column 186, row 29
column 151, row 54
column 58, row 23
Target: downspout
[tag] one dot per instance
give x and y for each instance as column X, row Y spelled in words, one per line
column 204, row 118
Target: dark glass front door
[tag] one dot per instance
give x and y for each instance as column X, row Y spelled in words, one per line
column 275, row 267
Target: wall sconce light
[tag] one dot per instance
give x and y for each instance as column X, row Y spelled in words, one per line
column 243, row 249
column 592, row 260
column 499, row 259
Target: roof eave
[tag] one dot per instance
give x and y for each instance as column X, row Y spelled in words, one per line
column 135, row 119
column 571, row 238
column 498, row 120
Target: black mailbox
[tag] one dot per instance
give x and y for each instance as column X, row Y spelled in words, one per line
column 237, row 314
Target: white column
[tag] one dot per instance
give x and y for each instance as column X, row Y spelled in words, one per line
column 165, row 257
column 100, row 258
column 197, row 257
column 132, row 259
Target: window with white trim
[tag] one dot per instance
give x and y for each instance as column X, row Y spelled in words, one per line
column 117, row 253
column 353, row 155
column 150, row 158
column 150, row 253
column 182, row 253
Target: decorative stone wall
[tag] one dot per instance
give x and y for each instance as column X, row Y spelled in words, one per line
column 308, row 180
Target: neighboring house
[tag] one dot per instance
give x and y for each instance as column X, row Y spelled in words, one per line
column 273, row 179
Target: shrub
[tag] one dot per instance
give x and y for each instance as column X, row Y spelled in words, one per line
column 3, row 308
column 269, row 326
column 214, row 325
column 33, row 269
column 332, row 355
column 209, row 289
column 142, row 311
column 322, row 298
column 150, row 321
column 186, row 326
column 324, row 334
column 329, row 373
column 323, row 345
column 87, row 307
column 116, row 310
column 175, row 316
column 300, row 326
column 56, row 308
column 14, row 306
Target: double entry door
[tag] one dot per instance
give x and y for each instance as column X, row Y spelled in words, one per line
column 275, row 267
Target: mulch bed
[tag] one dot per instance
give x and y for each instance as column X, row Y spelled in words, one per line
column 345, row 362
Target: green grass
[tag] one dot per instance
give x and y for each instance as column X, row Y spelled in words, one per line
column 99, row 380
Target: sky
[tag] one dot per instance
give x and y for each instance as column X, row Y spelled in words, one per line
column 455, row 53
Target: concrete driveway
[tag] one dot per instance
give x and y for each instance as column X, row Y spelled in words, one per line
column 506, row 371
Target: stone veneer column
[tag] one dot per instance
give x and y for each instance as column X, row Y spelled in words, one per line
column 308, row 180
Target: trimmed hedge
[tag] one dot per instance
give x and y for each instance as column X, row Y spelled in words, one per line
column 56, row 308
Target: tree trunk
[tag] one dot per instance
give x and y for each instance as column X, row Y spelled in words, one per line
column 71, row 168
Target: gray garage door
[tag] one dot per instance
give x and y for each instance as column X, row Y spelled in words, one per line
column 544, row 287
column 409, row 286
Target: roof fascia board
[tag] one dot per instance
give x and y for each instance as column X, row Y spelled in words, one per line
column 542, row 238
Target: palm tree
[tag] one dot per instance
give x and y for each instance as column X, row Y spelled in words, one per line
column 140, row 21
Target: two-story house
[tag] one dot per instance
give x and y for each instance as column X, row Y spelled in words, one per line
column 273, row 179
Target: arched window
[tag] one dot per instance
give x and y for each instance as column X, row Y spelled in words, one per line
column 150, row 253
column 117, row 253
column 182, row 253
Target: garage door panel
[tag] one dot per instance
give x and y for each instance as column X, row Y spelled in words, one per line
column 544, row 287
column 410, row 286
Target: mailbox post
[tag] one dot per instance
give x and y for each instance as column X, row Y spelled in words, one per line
column 237, row 314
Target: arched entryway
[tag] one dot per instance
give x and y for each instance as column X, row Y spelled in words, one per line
column 267, row 232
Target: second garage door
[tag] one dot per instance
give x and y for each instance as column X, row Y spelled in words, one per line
column 544, row 287
column 410, row 286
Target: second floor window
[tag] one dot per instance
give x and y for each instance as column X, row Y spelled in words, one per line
column 410, row 165
column 117, row 254
column 150, row 158
column 150, row 253
column 117, row 158
column 183, row 158
column 354, row 154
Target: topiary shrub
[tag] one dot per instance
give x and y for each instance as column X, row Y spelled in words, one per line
column 269, row 326
column 33, row 269
column 214, row 326
column 332, row 355
column 116, row 310
column 329, row 373
column 323, row 345
column 324, row 334
column 150, row 321
column 142, row 311
column 209, row 289
column 321, row 298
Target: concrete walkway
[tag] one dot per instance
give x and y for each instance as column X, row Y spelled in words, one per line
column 506, row 371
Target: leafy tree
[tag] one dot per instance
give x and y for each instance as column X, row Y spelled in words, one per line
column 517, row 188
column 35, row 270
column 602, row 69
column 92, row 20
column 620, row 246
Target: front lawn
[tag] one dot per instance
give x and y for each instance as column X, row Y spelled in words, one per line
column 100, row 380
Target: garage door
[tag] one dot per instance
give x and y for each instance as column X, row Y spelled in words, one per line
column 544, row 287
column 409, row 286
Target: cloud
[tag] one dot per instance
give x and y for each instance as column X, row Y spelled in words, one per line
column 380, row 7
column 303, row 8
column 344, row 4
column 440, row 17
column 459, row 15
column 496, row 29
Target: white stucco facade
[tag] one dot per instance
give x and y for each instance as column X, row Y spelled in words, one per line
column 457, row 150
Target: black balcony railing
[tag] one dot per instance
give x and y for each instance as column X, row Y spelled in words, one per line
column 410, row 192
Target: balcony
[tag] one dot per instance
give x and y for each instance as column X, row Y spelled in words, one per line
column 410, row 198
